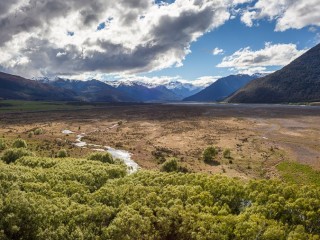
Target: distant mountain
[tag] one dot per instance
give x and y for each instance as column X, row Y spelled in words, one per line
column 127, row 90
column 179, row 88
column 297, row 82
column 15, row 87
column 98, row 91
column 123, row 91
column 222, row 88
column 183, row 90
column 144, row 94
column 91, row 91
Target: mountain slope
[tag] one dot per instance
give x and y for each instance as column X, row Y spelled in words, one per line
column 97, row 91
column 15, row 87
column 179, row 88
column 145, row 94
column 221, row 89
column 183, row 90
column 297, row 82
column 92, row 91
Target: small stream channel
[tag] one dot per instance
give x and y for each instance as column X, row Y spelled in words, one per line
column 123, row 155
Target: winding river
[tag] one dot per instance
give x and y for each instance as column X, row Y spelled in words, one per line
column 123, row 155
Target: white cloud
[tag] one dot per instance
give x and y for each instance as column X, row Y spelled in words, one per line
column 270, row 55
column 204, row 80
column 252, row 70
column 247, row 18
column 60, row 54
column 287, row 13
column 139, row 36
column 235, row 2
column 312, row 29
column 217, row 51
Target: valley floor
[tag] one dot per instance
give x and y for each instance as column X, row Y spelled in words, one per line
column 260, row 137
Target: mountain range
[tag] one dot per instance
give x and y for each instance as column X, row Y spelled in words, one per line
column 124, row 91
column 297, row 82
column 90, row 91
column 55, row 89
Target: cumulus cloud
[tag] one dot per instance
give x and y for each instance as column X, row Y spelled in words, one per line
column 287, row 13
column 74, row 36
column 217, row 51
column 252, row 70
column 246, row 60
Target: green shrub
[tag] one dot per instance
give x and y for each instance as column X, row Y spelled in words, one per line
column 62, row 153
column 102, row 157
column 38, row 131
column 3, row 145
column 19, row 143
column 11, row 155
column 170, row 165
column 30, row 134
column 44, row 198
column 227, row 154
column 209, row 154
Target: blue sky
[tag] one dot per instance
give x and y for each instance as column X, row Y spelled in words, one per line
column 230, row 37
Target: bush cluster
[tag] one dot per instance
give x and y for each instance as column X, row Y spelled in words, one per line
column 13, row 154
column 209, row 155
column 19, row 143
column 38, row 131
column 3, row 144
column 62, row 153
column 102, row 157
column 50, row 198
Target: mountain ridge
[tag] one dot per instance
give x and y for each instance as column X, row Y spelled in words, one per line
column 297, row 82
column 19, row 88
column 221, row 88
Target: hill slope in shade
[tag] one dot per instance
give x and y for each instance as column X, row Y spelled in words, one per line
column 15, row 87
column 297, row 82
column 222, row 88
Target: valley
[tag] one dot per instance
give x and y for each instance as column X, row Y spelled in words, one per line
column 259, row 136
column 159, row 120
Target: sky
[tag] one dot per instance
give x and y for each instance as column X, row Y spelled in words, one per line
column 189, row 40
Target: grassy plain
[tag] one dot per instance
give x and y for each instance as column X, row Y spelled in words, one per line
column 261, row 137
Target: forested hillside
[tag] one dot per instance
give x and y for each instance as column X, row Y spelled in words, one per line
column 45, row 198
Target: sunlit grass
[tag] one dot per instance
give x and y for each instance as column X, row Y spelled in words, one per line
column 297, row 173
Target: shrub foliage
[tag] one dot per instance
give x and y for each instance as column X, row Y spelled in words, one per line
column 19, row 143
column 13, row 154
column 44, row 198
column 3, row 144
column 62, row 153
column 102, row 157
column 209, row 155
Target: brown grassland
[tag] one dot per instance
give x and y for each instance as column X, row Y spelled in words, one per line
column 259, row 136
